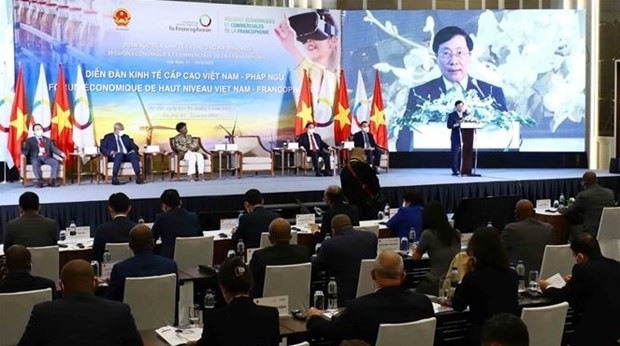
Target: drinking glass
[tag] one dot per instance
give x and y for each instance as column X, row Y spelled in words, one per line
column 442, row 297
column 194, row 315
column 533, row 280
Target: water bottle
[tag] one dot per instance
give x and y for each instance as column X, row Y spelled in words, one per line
column 489, row 224
column 319, row 300
column 562, row 200
column 239, row 217
column 96, row 268
column 454, row 281
column 412, row 236
column 62, row 236
column 209, row 300
column 107, row 257
column 327, row 236
column 241, row 249
column 332, row 294
column 386, row 211
column 231, row 253
column 140, row 220
column 404, row 244
column 317, row 247
column 521, row 274
column 72, row 228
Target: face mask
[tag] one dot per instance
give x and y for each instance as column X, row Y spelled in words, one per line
column 38, row 133
column 310, row 131
column 121, row 133
column 365, row 129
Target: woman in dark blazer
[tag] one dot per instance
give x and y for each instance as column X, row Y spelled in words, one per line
column 488, row 286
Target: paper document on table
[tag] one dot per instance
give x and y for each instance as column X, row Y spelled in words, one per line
column 176, row 336
column 556, row 281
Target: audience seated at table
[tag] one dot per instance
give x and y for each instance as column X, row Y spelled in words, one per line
column 115, row 230
column 335, row 200
column 143, row 263
column 279, row 253
column 80, row 318
column 408, row 215
column 174, row 222
column 255, row 222
column 341, row 256
column 592, row 292
column 30, row 229
column 390, row 303
column 505, row 330
column 489, row 286
column 527, row 238
column 240, row 322
column 441, row 241
column 18, row 277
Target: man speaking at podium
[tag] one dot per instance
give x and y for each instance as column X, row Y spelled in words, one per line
column 454, row 122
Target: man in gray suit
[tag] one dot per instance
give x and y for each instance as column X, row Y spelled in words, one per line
column 585, row 214
column 526, row 239
column 38, row 150
column 31, row 229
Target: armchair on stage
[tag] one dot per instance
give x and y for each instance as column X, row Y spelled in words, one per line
column 180, row 166
column 27, row 173
column 385, row 154
column 126, row 170
column 255, row 157
column 306, row 161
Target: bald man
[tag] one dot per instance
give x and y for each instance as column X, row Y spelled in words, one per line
column 585, row 214
column 18, row 278
column 281, row 252
column 334, row 198
column 390, row 303
column 80, row 318
column 526, row 238
column 341, row 255
column 143, row 263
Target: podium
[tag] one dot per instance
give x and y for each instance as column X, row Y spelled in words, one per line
column 469, row 149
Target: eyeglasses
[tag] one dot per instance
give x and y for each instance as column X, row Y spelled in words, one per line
column 447, row 55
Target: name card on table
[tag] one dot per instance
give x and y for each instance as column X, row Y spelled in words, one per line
column 90, row 150
column 152, row 149
column 543, row 203
column 278, row 302
column 232, row 147
column 293, row 146
column 220, row 147
column 228, row 224
column 388, row 244
column 304, row 219
column 348, row 145
column 82, row 232
column 106, row 270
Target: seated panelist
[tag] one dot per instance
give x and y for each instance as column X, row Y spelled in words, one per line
column 119, row 148
column 38, row 150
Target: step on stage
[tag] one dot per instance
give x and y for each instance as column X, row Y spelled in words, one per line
column 87, row 203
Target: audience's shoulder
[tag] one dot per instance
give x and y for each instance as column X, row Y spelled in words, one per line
column 302, row 250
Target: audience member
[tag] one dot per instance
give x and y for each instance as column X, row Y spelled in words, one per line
column 360, row 185
column 241, row 322
column 390, row 303
column 489, row 286
column 527, row 238
column 342, row 255
column 174, row 222
column 334, row 197
column 30, row 229
column 80, row 318
column 279, row 253
column 441, row 241
column 143, row 263
column 592, row 292
column 18, row 277
column 585, row 214
column 255, row 222
column 505, row 330
column 409, row 215
column 115, row 230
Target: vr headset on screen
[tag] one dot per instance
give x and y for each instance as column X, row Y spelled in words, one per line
column 313, row 26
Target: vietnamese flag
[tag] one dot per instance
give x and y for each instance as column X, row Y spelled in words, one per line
column 18, row 128
column 62, row 121
column 342, row 112
column 303, row 115
column 378, row 126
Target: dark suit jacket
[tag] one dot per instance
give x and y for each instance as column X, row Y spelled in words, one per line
column 113, row 231
column 108, row 144
column 241, row 323
column 588, row 207
column 361, row 318
column 24, row 281
column 526, row 240
column 339, row 208
column 304, row 141
column 341, row 257
column 81, row 319
column 358, row 140
column 354, row 192
column 30, row 147
column 251, row 225
column 174, row 223
column 31, row 230
column 277, row 254
column 142, row 264
column 455, row 134
column 592, row 292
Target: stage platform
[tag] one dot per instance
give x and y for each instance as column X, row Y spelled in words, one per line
column 86, row 203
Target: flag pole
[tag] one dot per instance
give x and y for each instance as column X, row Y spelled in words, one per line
column 4, row 176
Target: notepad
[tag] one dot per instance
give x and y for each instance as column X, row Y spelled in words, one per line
column 175, row 336
column 556, row 281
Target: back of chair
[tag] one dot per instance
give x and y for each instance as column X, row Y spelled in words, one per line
column 119, row 251
column 189, row 252
column 15, row 311
column 152, row 300
column 45, row 262
column 422, row 331
column 608, row 226
column 610, row 248
column 372, row 229
column 289, row 280
column 545, row 325
column 365, row 284
column 265, row 242
column 556, row 259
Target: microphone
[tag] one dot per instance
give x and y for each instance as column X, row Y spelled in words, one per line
column 302, row 207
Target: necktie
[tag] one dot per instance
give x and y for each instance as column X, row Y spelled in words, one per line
column 312, row 142
column 365, row 140
column 42, row 146
column 121, row 149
